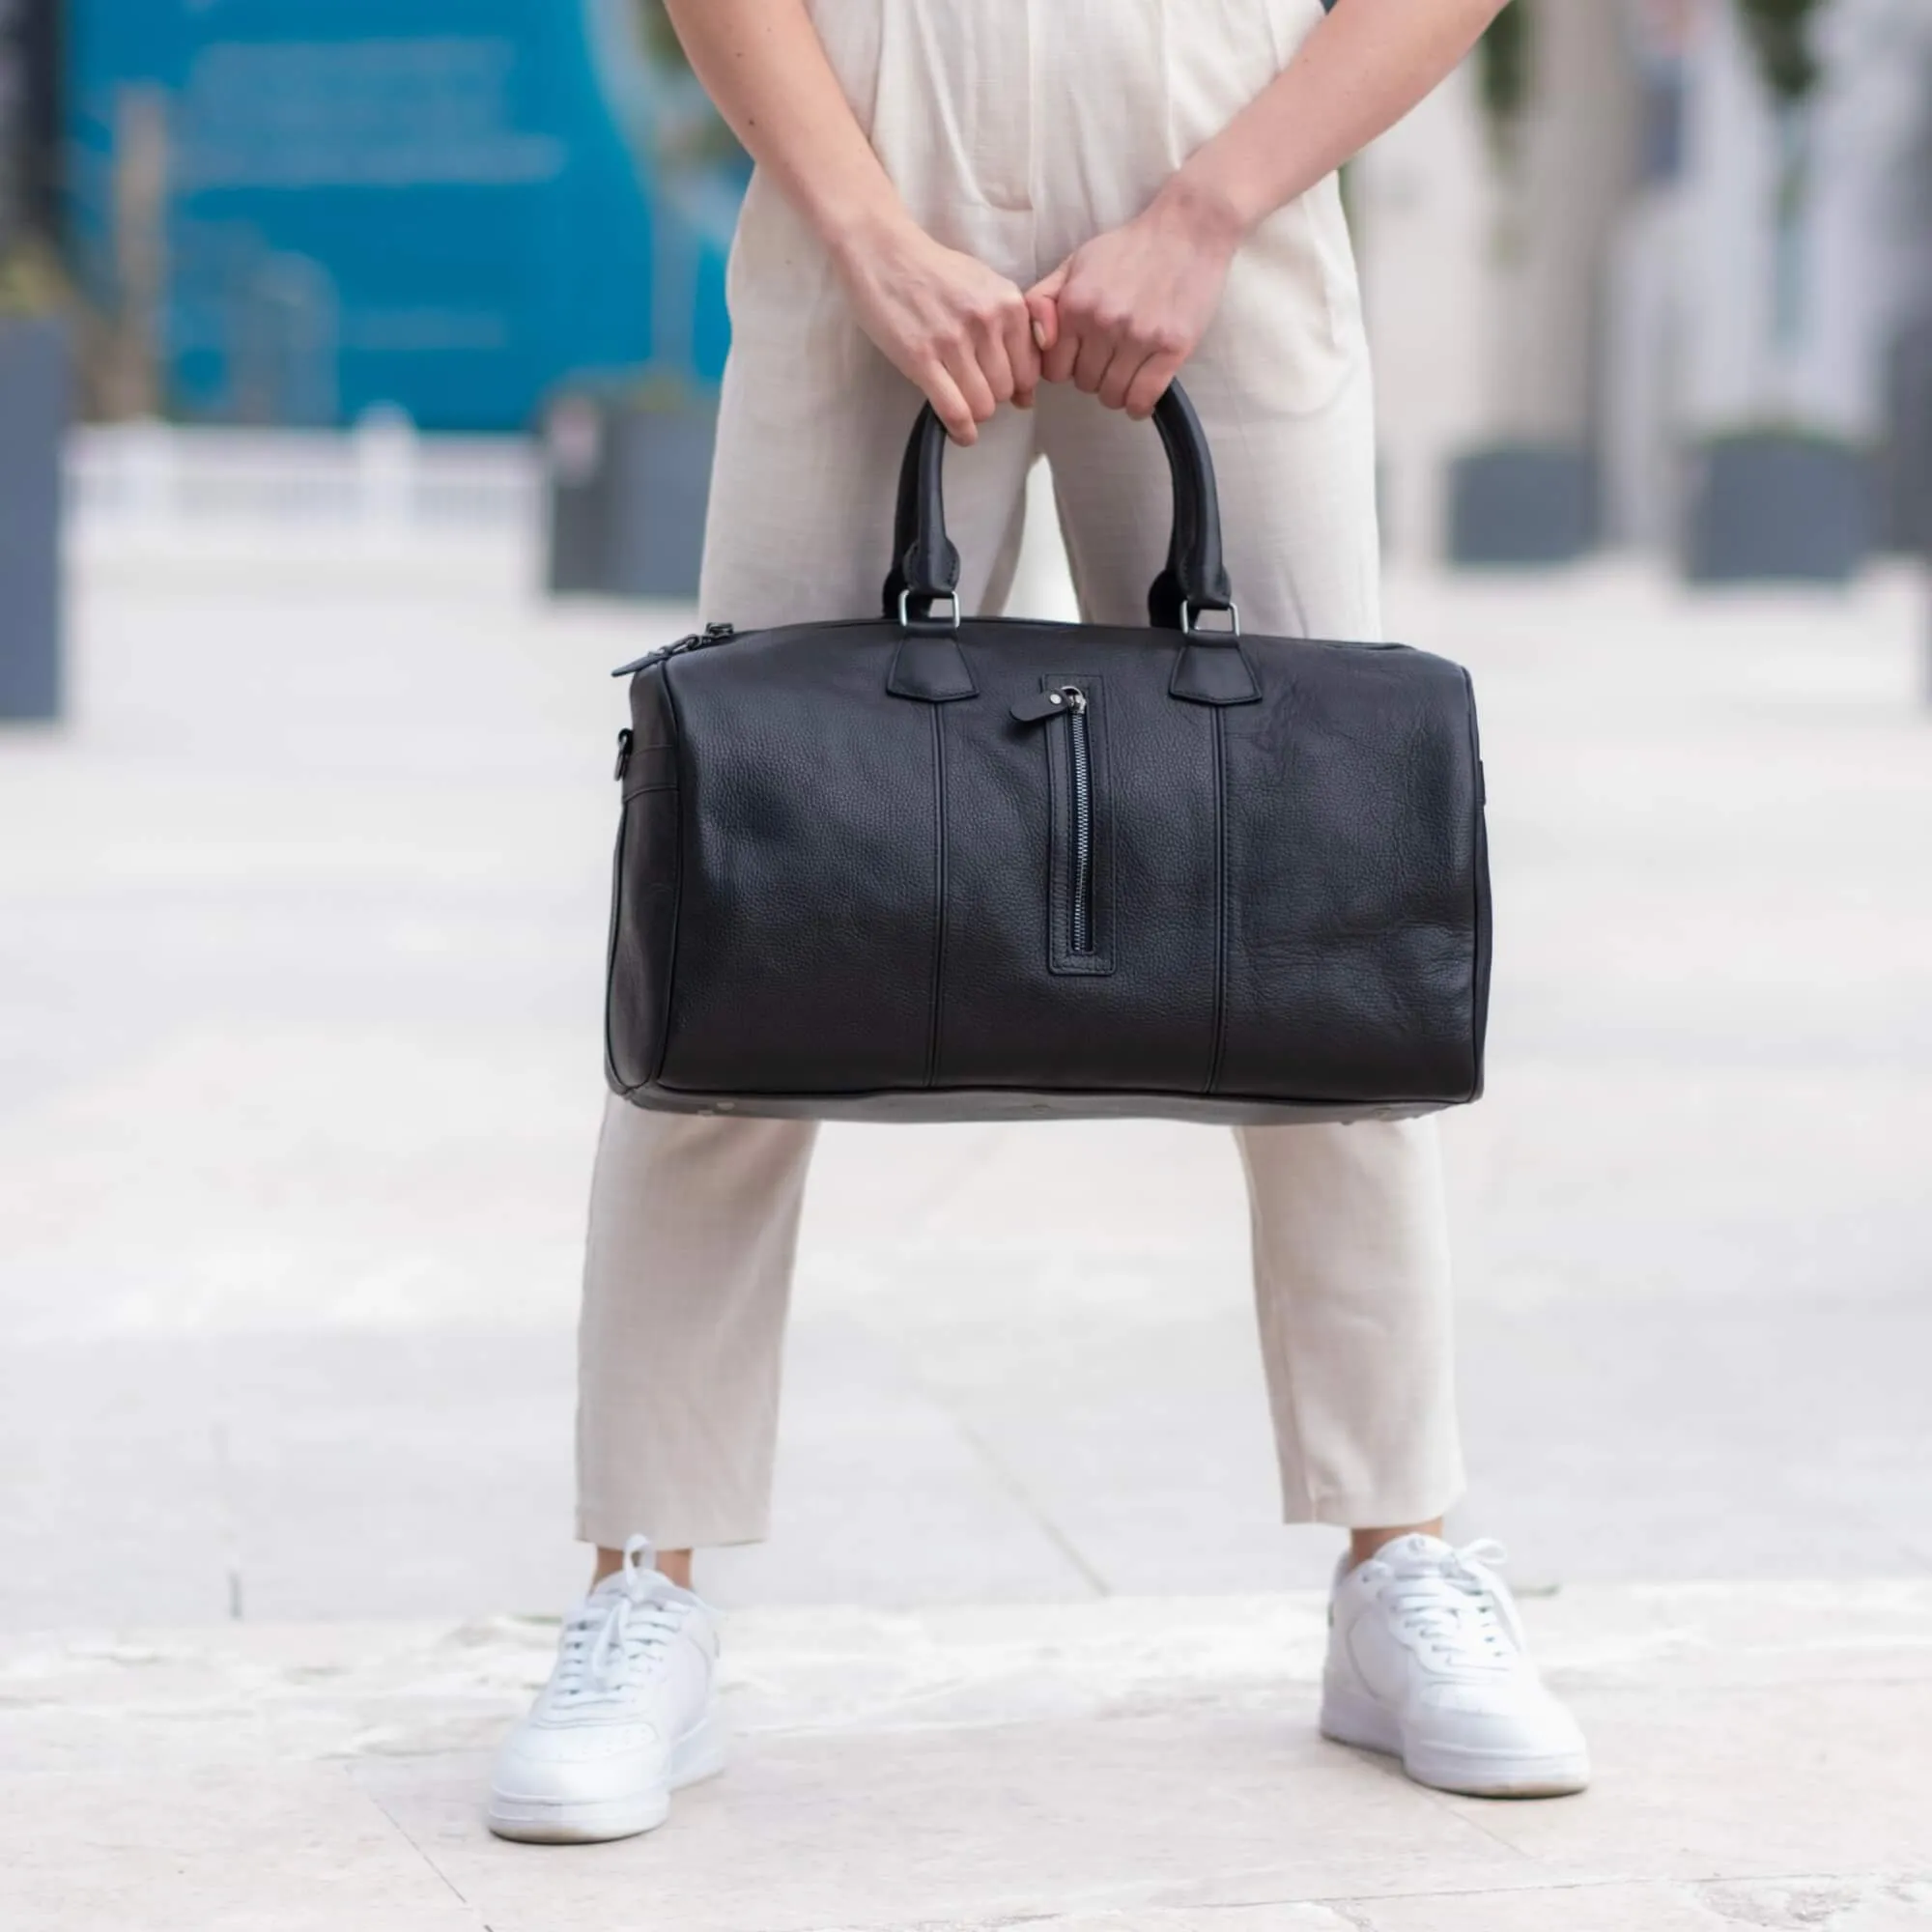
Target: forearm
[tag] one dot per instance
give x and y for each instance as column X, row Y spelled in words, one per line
column 764, row 67
column 956, row 329
column 1357, row 74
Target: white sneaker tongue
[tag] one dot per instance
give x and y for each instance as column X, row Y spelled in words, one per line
column 652, row 1588
column 1413, row 1554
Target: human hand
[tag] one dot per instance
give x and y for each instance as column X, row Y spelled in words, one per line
column 1124, row 311
column 956, row 328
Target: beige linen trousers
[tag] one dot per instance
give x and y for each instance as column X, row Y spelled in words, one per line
column 1015, row 129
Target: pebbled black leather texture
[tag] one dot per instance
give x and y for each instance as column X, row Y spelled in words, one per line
column 851, row 882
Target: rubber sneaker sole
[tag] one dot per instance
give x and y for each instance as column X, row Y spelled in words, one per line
column 555, row 1821
column 1350, row 1718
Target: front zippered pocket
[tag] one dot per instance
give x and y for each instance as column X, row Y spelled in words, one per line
column 1080, row 859
column 1078, row 910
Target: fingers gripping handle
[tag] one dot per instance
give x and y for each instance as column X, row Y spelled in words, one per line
column 926, row 564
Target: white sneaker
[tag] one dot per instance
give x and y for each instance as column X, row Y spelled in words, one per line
column 1427, row 1660
column 628, row 1716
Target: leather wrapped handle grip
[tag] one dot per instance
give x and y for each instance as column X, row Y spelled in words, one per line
column 926, row 564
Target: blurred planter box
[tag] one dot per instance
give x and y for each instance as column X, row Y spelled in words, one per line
column 1778, row 505
column 35, row 401
column 628, row 479
column 1521, row 506
column 1906, row 517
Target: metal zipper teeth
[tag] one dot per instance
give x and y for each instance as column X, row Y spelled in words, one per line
column 1080, row 920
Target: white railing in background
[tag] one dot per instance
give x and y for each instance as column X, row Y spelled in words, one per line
column 381, row 478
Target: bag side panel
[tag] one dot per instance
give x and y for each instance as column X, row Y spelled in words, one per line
column 1350, row 820
column 1485, row 925
column 808, row 909
column 644, row 894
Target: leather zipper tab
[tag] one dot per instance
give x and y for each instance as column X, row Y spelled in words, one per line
column 1055, row 704
column 623, row 754
column 698, row 641
column 651, row 658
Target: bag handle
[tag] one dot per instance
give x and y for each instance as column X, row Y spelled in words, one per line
column 926, row 564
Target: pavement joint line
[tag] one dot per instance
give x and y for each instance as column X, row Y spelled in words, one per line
column 402, row 1832
column 1010, row 1481
column 1454, row 1804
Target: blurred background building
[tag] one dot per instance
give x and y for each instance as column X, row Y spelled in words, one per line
column 1648, row 272
column 1656, row 274
column 293, row 210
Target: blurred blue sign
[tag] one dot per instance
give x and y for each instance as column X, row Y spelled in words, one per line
column 442, row 204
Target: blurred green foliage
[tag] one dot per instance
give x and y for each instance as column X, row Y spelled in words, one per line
column 659, row 36
column 31, row 282
column 1780, row 32
column 697, row 141
column 1506, row 74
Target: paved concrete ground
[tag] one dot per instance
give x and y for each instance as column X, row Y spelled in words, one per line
column 1131, row 1764
column 301, row 929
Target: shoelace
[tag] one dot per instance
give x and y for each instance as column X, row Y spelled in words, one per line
column 1458, row 1607
column 617, row 1632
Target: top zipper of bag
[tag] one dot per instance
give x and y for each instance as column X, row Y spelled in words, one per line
column 1070, row 702
column 698, row 641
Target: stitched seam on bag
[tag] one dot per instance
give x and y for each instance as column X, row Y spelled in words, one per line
column 938, row 890
column 1478, row 833
column 1266, row 1106
column 1220, row 899
column 610, row 1067
column 677, row 890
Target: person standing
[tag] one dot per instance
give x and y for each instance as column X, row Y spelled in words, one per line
column 1034, row 214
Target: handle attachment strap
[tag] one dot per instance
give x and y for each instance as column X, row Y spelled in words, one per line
column 1210, row 667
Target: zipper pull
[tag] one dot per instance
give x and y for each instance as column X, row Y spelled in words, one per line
column 698, row 640
column 652, row 657
column 1054, row 703
column 623, row 754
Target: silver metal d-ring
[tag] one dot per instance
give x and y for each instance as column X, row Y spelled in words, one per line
column 1188, row 615
column 908, row 619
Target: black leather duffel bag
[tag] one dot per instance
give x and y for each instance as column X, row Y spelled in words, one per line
column 930, row 867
